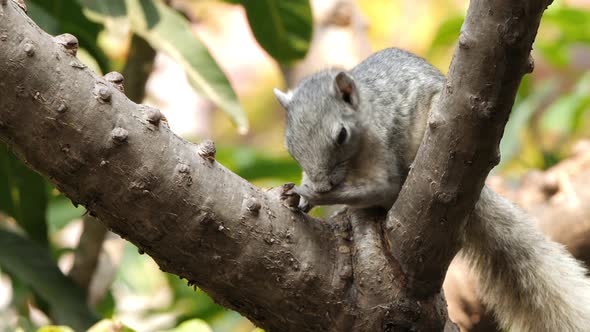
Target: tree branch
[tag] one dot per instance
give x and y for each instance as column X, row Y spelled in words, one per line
column 460, row 145
column 284, row 270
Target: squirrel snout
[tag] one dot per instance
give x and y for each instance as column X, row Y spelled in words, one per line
column 322, row 187
column 317, row 184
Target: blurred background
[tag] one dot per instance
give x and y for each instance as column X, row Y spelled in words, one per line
column 210, row 66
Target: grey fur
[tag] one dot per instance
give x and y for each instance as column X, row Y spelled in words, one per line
column 531, row 283
column 395, row 89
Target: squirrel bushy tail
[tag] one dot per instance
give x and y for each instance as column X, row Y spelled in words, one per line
column 530, row 283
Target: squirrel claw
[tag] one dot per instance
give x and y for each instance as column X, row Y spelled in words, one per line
column 304, row 205
column 289, row 197
column 293, row 200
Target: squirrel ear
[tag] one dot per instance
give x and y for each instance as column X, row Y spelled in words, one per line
column 346, row 89
column 283, row 98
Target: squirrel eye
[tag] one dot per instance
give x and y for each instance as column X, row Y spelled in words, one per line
column 341, row 136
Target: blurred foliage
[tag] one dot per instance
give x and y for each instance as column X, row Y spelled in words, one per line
column 61, row 16
column 283, row 28
column 193, row 325
column 108, row 325
column 521, row 116
column 169, row 32
column 105, row 325
column 33, row 265
column 20, row 190
column 549, row 115
column 446, row 35
column 55, row 328
column 254, row 165
column 568, row 26
column 39, row 211
column 61, row 211
column 551, row 109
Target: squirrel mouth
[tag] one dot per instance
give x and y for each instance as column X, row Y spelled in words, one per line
column 309, row 193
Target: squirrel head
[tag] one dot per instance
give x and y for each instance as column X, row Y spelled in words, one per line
column 323, row 127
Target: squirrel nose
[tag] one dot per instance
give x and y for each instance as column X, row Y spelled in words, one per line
column 322, row 187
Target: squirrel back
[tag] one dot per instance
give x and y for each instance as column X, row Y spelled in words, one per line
column 400, row 88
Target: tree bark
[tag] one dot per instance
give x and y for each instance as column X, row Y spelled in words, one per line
column 282, row 269
column 461, row 143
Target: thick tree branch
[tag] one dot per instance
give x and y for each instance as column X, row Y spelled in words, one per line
column 282, row 269
column 460, row 145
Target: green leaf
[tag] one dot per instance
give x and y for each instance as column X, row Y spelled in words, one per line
column 565, row 114
column 61, row 16
column 55, row 328
column 43, row 18
column 6, row 185
column 520, row 119
column 555, row 53
column 61, row 211
column 193, row 325
column 104, row 10
column 169, row 32
column 447, row 34
column 106, row 306
column 282, row 28
column 25, row 325
column 22, row 296
column 108, row 325
column 189, row 303
column 562, row 27
column 573, row 24
column 23, row 196
column 254, row 165
column 33, row 265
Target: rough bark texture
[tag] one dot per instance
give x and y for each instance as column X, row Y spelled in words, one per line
column 460, row 145
column 282, row 269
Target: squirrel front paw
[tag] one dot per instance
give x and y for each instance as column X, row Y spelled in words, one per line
column 304, row 205
column 289, row 197
column 293, row 200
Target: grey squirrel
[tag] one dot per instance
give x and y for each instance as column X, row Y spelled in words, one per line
column 355, row 134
